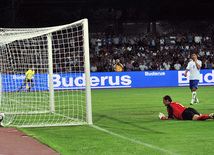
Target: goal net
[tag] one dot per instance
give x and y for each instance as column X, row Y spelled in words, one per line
column 58, row 94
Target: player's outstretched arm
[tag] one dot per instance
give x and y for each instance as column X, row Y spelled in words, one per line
column 34, row 77
column 163, row 117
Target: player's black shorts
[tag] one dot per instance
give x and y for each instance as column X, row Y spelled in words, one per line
column 189, row 113
column 28, row 80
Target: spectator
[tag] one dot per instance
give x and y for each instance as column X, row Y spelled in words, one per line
column 198, row 39
column 100, row 67
column 116, row 40
column 136, row 66
column 104, row 40
column 161, row 67
column 177, row 66
column 129, row 48
column 93, row 40
column 93, row 68
column 162, row 42
column 178, row 40
column 120, row 39
column 132, row 40
column 110, row 40
column 108, row 68
column 99, row 42
column 190, row 38
column 129, row 66
column 143, row 67
column 166, row 65
column 154, row 66
column 209, row 65
column 118, row 67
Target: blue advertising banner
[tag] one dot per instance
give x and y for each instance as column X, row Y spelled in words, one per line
column 106, row 80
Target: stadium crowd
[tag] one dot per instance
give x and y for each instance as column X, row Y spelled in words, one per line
column 149, row 51
column 135, row 52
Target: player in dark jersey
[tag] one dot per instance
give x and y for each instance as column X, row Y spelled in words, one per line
column 178, row 111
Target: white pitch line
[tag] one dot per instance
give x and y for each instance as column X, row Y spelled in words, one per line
column 133, row 140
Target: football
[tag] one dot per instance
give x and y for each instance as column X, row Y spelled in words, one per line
column 1, row 116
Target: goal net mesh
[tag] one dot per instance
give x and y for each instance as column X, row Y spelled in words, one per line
column 25, row 49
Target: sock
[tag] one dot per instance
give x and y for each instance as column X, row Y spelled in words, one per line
column 196, row 97
column 204, row 117
column 193, row 95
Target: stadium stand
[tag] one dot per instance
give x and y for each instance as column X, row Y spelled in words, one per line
column 150, row 51
column 141, row 52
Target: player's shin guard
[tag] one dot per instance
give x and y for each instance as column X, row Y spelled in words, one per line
column 193, row 94
column 204, row 117
column 193, row 97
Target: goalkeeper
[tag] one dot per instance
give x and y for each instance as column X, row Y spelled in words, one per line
column 29, row 74
column 178, row 111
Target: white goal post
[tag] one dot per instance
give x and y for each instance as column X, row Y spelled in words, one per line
column 45, row 76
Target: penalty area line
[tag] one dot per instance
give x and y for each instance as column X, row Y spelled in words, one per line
column 132, row 140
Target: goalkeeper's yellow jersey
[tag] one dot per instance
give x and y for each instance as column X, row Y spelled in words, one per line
column 29, row 73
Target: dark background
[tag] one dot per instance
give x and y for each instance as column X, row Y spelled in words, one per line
column 139, row 24
column 105, row 15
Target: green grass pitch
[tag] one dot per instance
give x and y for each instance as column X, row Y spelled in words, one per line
column 133, row 114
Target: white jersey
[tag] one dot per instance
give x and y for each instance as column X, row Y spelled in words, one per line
column 194, row 71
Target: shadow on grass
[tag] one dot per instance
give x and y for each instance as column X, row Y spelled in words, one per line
column 100, row 117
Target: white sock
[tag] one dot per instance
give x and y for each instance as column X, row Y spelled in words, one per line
column 196, row 97
column 193, row 95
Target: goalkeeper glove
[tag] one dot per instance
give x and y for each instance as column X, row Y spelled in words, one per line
column 162, row 116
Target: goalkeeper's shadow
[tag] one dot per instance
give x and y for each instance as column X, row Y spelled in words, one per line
column 100, row 117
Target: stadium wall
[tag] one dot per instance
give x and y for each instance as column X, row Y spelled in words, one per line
column 110, row 80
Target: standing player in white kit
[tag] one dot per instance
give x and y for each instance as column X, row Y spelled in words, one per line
column 194, row 66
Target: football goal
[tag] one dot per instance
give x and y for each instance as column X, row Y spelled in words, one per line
column 45, row 76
